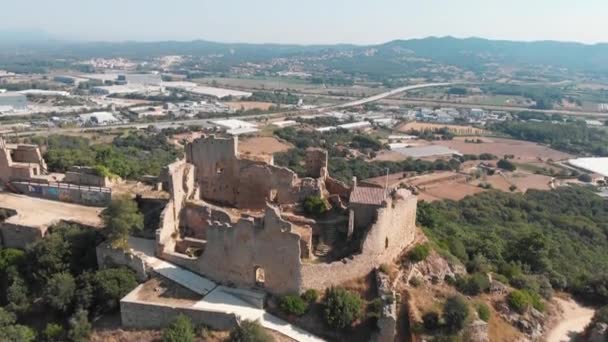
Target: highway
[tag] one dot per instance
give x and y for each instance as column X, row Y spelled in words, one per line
column 206, row 122
column 387, row 94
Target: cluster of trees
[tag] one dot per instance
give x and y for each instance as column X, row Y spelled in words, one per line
column 537, row 242
column 274, row 97
column 56, row 279
column 182, row 330
column 574, row 137
column 331, row 141
column 130, row 156
column 452, row 319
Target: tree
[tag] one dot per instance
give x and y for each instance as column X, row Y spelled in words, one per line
column 315, row 206
column 121, row 218
column 250, row 331
column 59, row 291
column 180, row 330
column 455, row 313
column 53, row 332
column 293, row 305
column 506, row 165
column 80, row 327
column 342, row 307
column 9, row 331
column 18, row 296
column 112, row 284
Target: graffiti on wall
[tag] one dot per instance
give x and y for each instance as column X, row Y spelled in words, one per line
column 35, row 189
column 64, row 195
column 93, row 197
column 52, row 193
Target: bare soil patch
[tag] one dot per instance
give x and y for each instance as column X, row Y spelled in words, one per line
column 262, row 146
column 248, row 105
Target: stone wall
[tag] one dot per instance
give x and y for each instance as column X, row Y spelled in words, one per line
column 149, row 315
column 234, row 253
column 108, row 257
column 81, row 175
column 316, row 163
column 21, row 162
column 224, row 178
column 393, row 230
column 18, row 236
column 90, row 196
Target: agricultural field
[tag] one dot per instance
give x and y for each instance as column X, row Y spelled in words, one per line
column 523, row 151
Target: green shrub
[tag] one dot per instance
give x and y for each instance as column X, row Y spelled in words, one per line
column 180, row 330
column 342, row 307
column 311, row 295
column 315, row 206
column 585, row 178
column 249, row 331
column 506, row 165
column 455, row 313
column 483, row 311
column 293, row 305
column 521, row 300
column 112, row 284
column 419, row 253
column 430, row 321
column 474, row 285
column 53, row 332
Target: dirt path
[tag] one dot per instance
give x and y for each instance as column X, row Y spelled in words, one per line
column 574, row 320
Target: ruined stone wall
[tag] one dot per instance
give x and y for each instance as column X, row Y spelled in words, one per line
column 196, row 218
column 365, row 215
column 149, row 315
column 226, row 179
column 28, row 154
column 395, row 224
column 335, row 187
column 234, row 253
column 84, row 176
column 18, row 236
column 109, row 257
column 316, row 163
column 179, row 182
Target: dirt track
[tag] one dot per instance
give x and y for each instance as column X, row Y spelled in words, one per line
column 574, row 320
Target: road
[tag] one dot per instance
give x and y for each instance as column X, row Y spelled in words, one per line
column 387, row 94
column 574, row 320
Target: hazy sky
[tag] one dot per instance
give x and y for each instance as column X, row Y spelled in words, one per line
column 309, row 21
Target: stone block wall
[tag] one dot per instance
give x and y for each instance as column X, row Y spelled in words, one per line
column 150, row 315
column 18, row 236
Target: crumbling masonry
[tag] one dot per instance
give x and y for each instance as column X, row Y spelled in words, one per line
column 241, row 222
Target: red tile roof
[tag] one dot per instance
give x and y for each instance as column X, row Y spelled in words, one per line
column 368, row 195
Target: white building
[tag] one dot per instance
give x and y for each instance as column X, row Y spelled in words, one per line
column 194, row 88
column 236, row 127
column 286, row 123
column 98, row 118
column 356, row 125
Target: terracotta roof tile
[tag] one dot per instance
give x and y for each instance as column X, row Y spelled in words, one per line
column 368, row 195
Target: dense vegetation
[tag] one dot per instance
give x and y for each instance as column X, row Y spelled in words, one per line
column 575, row 137
column 54, row 286
column 274, row 97
column 536, row 241
column 130, row 156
